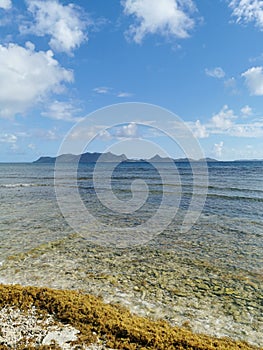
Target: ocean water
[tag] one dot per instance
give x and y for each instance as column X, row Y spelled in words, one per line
column 208, row 277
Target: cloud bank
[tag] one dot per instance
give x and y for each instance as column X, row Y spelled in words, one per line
column 27, row 77
column 226, row 122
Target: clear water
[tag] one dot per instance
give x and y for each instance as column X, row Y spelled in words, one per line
column 227, row 236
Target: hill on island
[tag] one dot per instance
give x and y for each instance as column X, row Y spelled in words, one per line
column 83, row 158
column 110, row 157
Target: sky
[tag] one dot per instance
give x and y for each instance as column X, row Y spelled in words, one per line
column 200, row 59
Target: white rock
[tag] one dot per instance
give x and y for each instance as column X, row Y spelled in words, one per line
column 62, row 337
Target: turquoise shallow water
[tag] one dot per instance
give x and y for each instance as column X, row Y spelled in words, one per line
column 210, row 275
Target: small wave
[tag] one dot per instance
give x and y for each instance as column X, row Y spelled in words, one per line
column 235, row 189
column 21, row 185
column 227, row 197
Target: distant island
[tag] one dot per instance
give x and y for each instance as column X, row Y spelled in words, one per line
column 111, row 158
column 83, row 158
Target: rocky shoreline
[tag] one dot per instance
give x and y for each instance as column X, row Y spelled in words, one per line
column 44, row 318
column 179, row 288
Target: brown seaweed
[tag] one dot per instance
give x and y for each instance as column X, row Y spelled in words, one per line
column 110, row 323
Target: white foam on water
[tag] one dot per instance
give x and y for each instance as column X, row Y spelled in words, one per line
column 17, row 185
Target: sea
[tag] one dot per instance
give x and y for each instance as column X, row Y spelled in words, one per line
column 177, row 243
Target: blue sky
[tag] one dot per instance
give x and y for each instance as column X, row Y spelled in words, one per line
column 200, row 59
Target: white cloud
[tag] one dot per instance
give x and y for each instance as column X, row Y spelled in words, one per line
column 246, row 111
column 215, row 72
column 218, row 149
column 219, row 123
column 31, row 146
column 8, row 138
column 254, row 129
column 224, row 119
column 27, row 77
column 63, row 23
column 120, row 132
column 166, row 17
column 88, row 133
column 104, row 135
column 124, row 94
column 231, row 84
column 105, row 90
column 50, row 135
column 199, row 130
column 248, row 11
column 61, row 110
column 102, row 90
column 226, row 123
column 127, row 131
column 5, row 4
column 254, row 80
